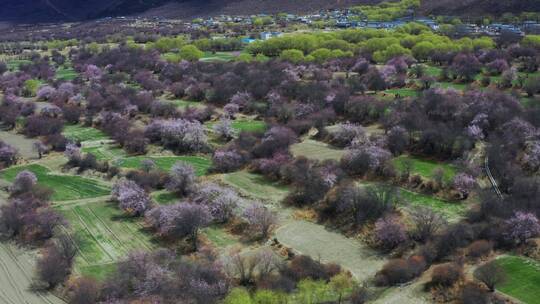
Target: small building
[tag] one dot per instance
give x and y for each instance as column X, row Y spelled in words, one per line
column 268, row 35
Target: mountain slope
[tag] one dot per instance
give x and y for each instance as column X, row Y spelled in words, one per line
column 73, row 10
column 479, row 7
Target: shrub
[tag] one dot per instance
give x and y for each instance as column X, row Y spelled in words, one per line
column 480, row 248
column 491, row 274
column 390, row 232
column 131, row 198
column 182, row 178
column 400, row 271
column 446, row 274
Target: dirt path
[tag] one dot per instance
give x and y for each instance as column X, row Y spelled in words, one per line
column 314, row 240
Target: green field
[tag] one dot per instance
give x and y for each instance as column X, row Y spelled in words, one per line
column 218, row 56
column 523, row 278
column 449, row 210
column 80, row 133
column 256, row 186
column 105, row 152
column 244, row 125
column 103, row 235
column 13, row 65
column 424, row 167
column 219, row 237
column 313, row 149
column 66, row 187
column 66, row 73
column 201, row 164
column 404, row 92
column 185, row 103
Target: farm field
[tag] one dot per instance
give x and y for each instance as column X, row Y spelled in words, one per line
column 450, row 210
column 66, row 187
column 23, row 144
column 256, row 186
column 308, row 238
column 523, row 278
column 244, row 125
column 313, row 149
column 104, row 151
column 16, row 274
column 201, row 164
column 103, row 235
column 66, row 73
column 424, row 167
column 80, row 133
column 180, row 103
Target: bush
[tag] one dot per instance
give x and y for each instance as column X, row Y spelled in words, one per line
column 399, row 271
column 446, row 274
column 480, row 248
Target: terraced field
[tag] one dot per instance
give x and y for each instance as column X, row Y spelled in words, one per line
column 201, row 164
column 244, row 125
column 313, row 149
column 103, row 235
column 66, row 187
column 523, row 278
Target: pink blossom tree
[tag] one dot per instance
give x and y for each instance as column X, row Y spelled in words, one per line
column 24, row 181
column 522, row 226
column 220, row 201
column 464, row 183
column 223, row 129
column 227, row 160
column 180, row 220
column 8, row 155
column 131, row 198
column 260, row 219
column 182, row 178
column 390, row 232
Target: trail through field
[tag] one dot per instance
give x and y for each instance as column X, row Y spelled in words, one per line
column 23, row 144
column 314, row 240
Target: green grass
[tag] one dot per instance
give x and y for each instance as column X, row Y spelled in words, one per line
column 523, row 279
column 66, row 73
column 404, row 92
column 218, row 56
column 97, row 272
column 66, row 187
column 256, row 186
column 219, row 237
column 449, row 210
column 201, row 164
column 80, row 133
column 13, row 65
column 313, row 149
column 451, row 85
column 164, row 197
column 185, row 103
column 103, row 235
column 424, row 167
column 105, row 152
column 244, row 125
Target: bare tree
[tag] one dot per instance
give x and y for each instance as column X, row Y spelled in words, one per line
column 426, row 223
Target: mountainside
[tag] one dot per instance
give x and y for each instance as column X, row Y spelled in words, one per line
column 74, row 10
column 479, row 7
